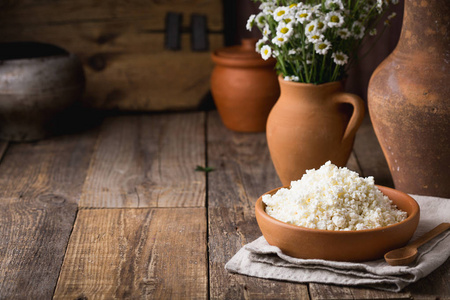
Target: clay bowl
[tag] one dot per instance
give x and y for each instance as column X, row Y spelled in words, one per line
column 361, row 245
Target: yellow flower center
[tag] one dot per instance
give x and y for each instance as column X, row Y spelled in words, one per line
column 266, row 51
column 315, row 37
column 293, row 5
column 311, row 28
column 320, row 25
column 284, row 30
column 303, row 15
column 334, row 19
column 322, row 46
column 280, row 13
column 287, row 20
column 340, row 57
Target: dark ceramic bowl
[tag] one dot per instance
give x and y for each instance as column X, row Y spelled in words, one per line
column 361, row 245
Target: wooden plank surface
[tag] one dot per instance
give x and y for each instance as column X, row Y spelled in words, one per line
column 229, row 230
column 147, row 160
column 136, row 254
column 243, row 171
column 40, row 186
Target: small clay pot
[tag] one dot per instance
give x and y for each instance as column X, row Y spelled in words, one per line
column 37, row 82
column 244, row 87
column 358, row 245
column 311, row 124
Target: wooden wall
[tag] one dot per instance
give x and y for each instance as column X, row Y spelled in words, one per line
column 121, row 46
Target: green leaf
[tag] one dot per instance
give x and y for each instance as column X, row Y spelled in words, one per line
column 204, row 169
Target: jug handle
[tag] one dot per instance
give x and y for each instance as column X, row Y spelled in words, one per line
column 357, row 116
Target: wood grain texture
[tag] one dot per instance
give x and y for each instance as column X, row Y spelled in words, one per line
column 322, row 291
column 229, row 230
column 244, row 169
column 121, row 46
column 55, row 166
column 147, row 161
column 136, row 254
column 36, row 13
column 435, row 285
column 40, row 184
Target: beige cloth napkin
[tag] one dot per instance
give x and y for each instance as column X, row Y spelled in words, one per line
column 260, row 259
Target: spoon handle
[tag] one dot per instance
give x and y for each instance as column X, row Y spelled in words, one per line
column 430, row 235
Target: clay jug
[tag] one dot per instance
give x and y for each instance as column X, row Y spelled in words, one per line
column 244, row 87
column 311, row 124
column 409, row 101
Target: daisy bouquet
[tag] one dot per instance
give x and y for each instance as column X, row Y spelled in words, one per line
column 315, row 41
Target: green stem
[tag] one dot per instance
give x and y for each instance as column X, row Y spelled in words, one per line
column 322, row 68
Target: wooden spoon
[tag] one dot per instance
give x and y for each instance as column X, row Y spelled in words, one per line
column 406, row 255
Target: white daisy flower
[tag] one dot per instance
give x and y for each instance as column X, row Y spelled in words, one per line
column 395, row 2
column 260, row 44
column 279, row 40
column 334, row 5
column 267, row 8
column 316, row 8
column 373, row 32
column 358, row 30
column 321, row 26
column 285, row 30
column 322, row 47
column 340, row 58
column 289, row 19
column 311, row 27
column 334, row 19
column 315, row 38
column 292, row 78
column 250, row 22
column 303, row 15
column 280, row 13
column 344, row 33
column 316, row 26
column 379, row 6
column 266, row 31
column 260, row 20
column 266, row 52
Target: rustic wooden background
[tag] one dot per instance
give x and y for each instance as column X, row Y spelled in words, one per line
column 121, row 46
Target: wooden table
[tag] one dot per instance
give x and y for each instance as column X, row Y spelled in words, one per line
column 118, row 211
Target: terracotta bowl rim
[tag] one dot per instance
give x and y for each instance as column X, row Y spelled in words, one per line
column 260, row 206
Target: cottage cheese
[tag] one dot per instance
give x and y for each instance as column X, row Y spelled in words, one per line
column 333, row 198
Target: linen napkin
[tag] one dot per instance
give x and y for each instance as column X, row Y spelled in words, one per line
column 260, row 259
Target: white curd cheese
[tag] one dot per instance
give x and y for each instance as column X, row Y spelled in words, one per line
column 333, row 198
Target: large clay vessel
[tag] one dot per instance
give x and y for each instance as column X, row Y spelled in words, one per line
column 37, row 83
column 244, row 87
column 409, row 101
column 311, row 124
